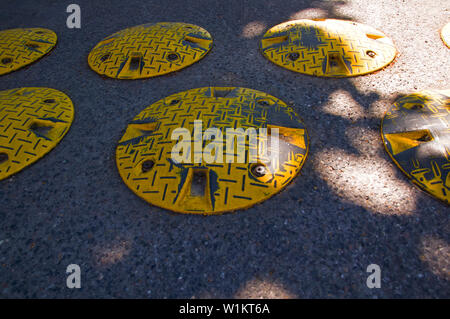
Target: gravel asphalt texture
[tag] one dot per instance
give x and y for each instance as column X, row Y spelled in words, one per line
column 350, row 206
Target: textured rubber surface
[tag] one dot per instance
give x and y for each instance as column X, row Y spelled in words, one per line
column 150, row 50
column 32, row 122
column 146, row 165
column 445, row 34
column 327, row 47
column 416, row 135
column 20, row 47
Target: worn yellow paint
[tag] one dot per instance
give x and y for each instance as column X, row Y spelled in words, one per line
column 328, row 47
column 292, row 136
column 150, row 50
column 416, row 135
column 146, row 165
column 20, row 47
column 403, row 141
column 32, row 122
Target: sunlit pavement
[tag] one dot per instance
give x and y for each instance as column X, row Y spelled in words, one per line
column 349, row 208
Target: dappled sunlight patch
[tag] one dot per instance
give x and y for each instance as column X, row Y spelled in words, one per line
column 342, row 104
column 370, row 182
column 112, row 253
column 435, row 253
column 263, row 289
column 310, row 13
column 253, row 29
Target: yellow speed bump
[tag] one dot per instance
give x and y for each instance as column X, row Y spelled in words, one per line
column 416, row 134
column 150, row 50
column 212, row 150
column 328, row 47
column 445, row 34
column 32, row 122
column 20, row 47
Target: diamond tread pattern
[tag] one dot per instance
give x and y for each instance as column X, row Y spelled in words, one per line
column 21, row 47
column 235, row 188
column 32, row 122
column 151, row 45
column 315, row 42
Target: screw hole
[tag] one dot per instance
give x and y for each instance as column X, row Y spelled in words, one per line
column 172, row 57
column 49, row 101
column 416, row 107
column 6, row 60
column 173, row 102
column 3, row 157
column 105, row 57
column 293, row 56
column 263, row 103
column 259, row 170
column 371, row 53
column 147, row 165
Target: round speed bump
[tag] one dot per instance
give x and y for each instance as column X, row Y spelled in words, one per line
column 445, row 34
column 416, row 134
column 150, row 50
column 32, row 122
column 328, row 47
column 20, row 47
column 212, row 150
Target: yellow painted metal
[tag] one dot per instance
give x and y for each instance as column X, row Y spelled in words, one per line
column 445, row 34
column 416, row 135
column 20, row 47
column 146, row 164
column 150, row 50
column 32, row 122
column 328, row 47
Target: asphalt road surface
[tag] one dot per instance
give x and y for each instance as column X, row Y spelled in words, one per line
column 350, row 206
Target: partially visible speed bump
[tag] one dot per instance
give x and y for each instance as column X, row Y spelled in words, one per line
column 32, row 122
column 328, row 47
column 445, row 34
column 20, row 47
column 416, row 134
column 212, row 150
column 150, row 50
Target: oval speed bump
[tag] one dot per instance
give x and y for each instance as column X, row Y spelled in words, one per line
column 445, row 34
column 328, row 47
column 20, row 47
column 32, row 122
column 212, row 150
column 416, row 134
column 150, row 50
